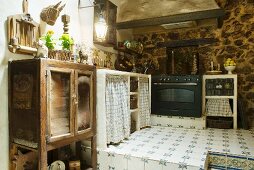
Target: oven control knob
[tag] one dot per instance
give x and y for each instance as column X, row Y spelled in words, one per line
column 184, row 79
column 168, row 79
column 177, row 79
column 189, row 79
column 164, row 79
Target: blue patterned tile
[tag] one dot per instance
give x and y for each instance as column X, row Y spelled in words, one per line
column 187, row 146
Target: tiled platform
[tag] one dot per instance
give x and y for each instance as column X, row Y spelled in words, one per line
column 165, row 148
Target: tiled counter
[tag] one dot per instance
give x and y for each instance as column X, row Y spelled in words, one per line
column 166, row 148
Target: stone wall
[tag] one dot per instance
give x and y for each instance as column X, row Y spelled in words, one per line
column 236, row 40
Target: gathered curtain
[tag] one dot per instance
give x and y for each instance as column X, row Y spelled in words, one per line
column 144, row 104
column 117, row 108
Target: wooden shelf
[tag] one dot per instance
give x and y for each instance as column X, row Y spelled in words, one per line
column 134, row 110
column 127, row 51
column 221, row 115
column 187, row 43
column 198, row 15
column 232, row 98
column 219, row 97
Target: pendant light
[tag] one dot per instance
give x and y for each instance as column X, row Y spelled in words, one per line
column 101, row 28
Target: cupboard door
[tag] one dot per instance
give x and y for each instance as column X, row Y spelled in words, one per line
column 60, row 95
column 84, row 103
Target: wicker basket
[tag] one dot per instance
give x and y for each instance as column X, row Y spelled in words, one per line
column 133, row 85
column 63, row 55
column 133, row 102
column 220, row 122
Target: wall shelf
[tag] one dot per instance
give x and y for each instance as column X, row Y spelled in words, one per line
column 136, row 88
column 187, row 43
column 222, row 97
column 133, row 93
column 216, row 85
column 134, row 110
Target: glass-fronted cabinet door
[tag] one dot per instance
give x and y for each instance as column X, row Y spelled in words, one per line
column 60, row 92
column 84, row 103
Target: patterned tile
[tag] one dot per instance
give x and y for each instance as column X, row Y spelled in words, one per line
column 119, row 162
column 152, row 165
column 251, row 163
column 102, row 160
column 166, row 148
column 217, row 159
column 237, row 162
column 135, row 163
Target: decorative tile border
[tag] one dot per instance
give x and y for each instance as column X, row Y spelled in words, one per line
column 229, row 161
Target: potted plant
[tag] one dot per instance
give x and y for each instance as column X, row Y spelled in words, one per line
column 49, row 40
column 66, row 42
column 50, row 43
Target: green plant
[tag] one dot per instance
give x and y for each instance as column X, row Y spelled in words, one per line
column 66, row 41
column 48, row 40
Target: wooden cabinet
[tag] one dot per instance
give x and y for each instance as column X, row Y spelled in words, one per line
column 220, row 100
column 51, row 104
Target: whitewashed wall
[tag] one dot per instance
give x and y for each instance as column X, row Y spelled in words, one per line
column 80, row 28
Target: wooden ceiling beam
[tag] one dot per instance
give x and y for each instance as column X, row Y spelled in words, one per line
column 199, row 15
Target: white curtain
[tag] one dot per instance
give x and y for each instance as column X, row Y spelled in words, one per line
column 117, row 108
column 144, row 104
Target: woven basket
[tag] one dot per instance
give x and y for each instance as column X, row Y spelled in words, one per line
column 63, row 55
column 221, row 123
column 133, row 102
column 133, row 85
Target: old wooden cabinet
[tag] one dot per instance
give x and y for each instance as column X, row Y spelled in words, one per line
column 51, row 104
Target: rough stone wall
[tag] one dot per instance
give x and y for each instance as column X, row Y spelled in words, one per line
column 236, row 40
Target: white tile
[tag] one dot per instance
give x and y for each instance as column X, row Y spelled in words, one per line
column 136, row 164
column 175, row 158
column 102, row 160
column 169, row 166
column 197, row 156
column 119, row 162
column 152, row 165
column 177, row 145
column 189, row 167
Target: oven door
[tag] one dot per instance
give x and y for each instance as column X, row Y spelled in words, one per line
column 176, row 99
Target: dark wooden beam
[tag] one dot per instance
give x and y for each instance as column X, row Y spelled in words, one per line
column 187, row 43
column 199, row 15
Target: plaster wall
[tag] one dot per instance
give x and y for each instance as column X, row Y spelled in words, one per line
column 80, row 28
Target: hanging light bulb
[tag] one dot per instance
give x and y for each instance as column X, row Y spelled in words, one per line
column 101, row 28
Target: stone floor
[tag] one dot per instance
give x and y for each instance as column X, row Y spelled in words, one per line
column 164, row 148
